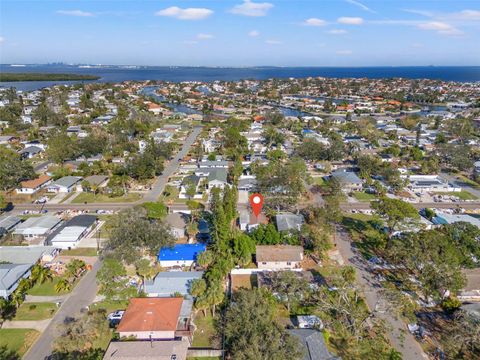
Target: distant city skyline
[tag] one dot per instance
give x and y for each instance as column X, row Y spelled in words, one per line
column 241, row 32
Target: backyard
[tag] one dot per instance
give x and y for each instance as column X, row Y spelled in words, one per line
column 204, row 335
column 363, row 196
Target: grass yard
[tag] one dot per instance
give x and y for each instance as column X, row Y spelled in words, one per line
column 462, row 195
column 318, row 180
column 170, row 195
column 110, row 306
column 100, row 198
column 35, row 311
column 47, row 288
column 18, row 340
column 363, row 196
column 205, row 330
column 80, row 252
column 467, row 181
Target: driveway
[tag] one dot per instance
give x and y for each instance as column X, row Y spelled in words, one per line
column 398, row 334
column 81, row 296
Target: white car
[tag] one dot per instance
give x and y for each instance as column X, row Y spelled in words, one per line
column 116, row 315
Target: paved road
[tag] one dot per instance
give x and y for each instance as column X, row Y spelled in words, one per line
column 458, row 182
column 399, row 336
column 152, row 195
column 170, row 169
column 81, row 296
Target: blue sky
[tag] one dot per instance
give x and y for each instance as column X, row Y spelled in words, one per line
column 241, row 32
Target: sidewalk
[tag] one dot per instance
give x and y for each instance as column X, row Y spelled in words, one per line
column 39, row 325
column 53, row 298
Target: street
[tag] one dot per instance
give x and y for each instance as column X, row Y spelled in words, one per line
column 81, row 296
column 398, row 334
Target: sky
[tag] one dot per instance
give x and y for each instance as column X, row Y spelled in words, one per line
column 241, row 32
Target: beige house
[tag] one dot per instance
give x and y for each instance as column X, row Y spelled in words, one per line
column 279, row 257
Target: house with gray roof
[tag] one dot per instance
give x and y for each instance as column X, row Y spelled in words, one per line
column 217, row 178
column 313, row 344
column 97, row 180
column 30, row 151
column 37, row 227
column 165, row 284
column 8, row 223
column 348, row 180
column 289, row 221
column 10, row 276
column 69, row 234
column 65, row 184
column 177, row 224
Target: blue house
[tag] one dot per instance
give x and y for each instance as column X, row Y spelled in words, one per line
column 180, row 255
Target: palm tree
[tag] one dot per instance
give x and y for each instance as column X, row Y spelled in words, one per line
column 63, row 285
column 214, row 295
column 41, row 274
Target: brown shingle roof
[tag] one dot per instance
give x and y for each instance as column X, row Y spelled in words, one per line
column 279, row 253
column 32, row 184
column 151, row 314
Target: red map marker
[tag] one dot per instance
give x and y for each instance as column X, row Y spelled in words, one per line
column 256, row 202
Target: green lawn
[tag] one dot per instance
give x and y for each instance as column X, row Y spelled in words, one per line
column 80, row 252
column 110, row 306
column 35, row 311
column 318, row 180
column 18, row 340
column 100, row 198
column 205, row 330
column 46, row 289
column 363, row 196
column 462, row 195
column 467, row 181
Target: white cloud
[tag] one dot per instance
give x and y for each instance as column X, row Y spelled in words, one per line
column 361, row 6
column 202, row 36
column 273, row 42
column 78, row 13
column 250, row 8
column 314, row 22
column 344, row 52
column 254, row 33
column 337, row 31
column 440, row 27
column 350, row 20
column 185, row 14
column 467, row 15
column 2, row 39
column 419, row 12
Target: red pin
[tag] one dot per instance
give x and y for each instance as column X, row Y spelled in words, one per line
column 256, row 202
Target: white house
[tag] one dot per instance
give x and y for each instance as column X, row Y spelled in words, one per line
column 32, row 186
column 279, row 257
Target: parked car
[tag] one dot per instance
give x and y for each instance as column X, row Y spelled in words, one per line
column 116, row 315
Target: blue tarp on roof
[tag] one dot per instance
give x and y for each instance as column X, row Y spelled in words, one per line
column 181, row 252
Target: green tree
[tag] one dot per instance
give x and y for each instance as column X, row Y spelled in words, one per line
column 7, row 354
column 134, row 234
column 63, row 285
column 155, row 210
column 289, row 286
column 113, row 282
column 13, row 170
column 251, row 331
column 145, row 269
column 197, row 287
column 41, row 274
column 61, row 147
column 396, row 212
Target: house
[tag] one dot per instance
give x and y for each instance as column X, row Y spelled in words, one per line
column 37, row 227
column 213, row 164
column 8, row 223
column 348, row 180
column 180, row 255
column 68, row 235
column 187, row 182
column 289, row 221
column 166, row 284
column 217, row 178
column 278, row 257
column 32, row 186
column 16, row 262
column 10, row 276
column 443, row 218
column 65, row 184
column 313, row 344
column 157, row 319
column 30, row 151
column 430, row 183
column 177, row 224
column 99, row 181
column 147, row 350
